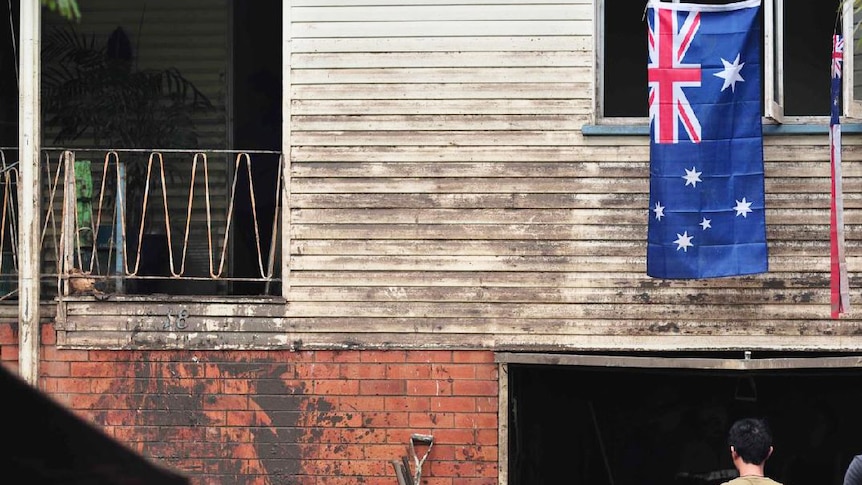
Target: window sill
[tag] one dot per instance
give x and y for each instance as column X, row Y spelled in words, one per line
column 785, row 129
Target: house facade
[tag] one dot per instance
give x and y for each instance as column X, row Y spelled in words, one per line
column 440, row 231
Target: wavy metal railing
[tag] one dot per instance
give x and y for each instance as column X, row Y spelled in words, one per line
column 8, row 228
column 96, row 244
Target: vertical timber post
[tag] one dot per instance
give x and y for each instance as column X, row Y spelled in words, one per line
column 285, row 146
column 29, row 144
column 503, row 424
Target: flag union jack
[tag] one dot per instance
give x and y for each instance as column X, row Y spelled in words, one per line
column 669, row 107
column 837, row 55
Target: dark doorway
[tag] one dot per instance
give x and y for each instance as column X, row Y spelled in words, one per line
column 257, row 126
column 627, row 426
column 9, row 38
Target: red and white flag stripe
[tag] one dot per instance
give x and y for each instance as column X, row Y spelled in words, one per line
column 839, row 285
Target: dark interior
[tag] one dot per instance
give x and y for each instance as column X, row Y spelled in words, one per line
column 630, row 426
column 808, row 29
column 9, row 20
column 257, row 126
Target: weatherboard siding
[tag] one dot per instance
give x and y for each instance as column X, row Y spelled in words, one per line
column 442, row 195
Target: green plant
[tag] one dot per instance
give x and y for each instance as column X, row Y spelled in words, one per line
column 66, row 8
column 96, row 90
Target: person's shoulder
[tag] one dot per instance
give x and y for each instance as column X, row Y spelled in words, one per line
column 752, row 481
column 854, row 471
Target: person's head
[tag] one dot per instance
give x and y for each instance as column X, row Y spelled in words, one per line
column 751, row 439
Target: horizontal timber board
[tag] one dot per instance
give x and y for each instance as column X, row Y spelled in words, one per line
column 628, row 149
column 513, row 105
column 558, row 279
column 580, row 216
column 468, row 201
column 428, row 91
column 514, row 168
column 516, row 185
column 809, row 232
column 526, row 263
column 375, row 60
column 438, row 3
column 541, row 295
column 160, row 306
column 511, row 185
column 534, row 201
column 440, row 75
column 514, row 342
column 477, row 247
column 681, row 311
column 507, row 43
column 471, row 326
column 524, row 138
column 437, row 123
column 452, row 12
column 597, row 249
column 250, row 340
column 451, row 28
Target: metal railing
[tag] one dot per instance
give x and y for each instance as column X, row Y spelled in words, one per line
column 151, row 221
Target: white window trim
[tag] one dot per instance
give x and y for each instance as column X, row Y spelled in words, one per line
column 773, row 60
column 598, row 91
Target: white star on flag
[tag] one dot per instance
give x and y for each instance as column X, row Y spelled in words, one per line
column 742, row 207
column 683, row 241
column 659, row 211
column 706, row 223
column 692, row 177
column 730, row 74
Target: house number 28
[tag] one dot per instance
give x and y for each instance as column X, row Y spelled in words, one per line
column 179, row 321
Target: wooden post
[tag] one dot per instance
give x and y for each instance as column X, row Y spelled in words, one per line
column 285, row 148
column 29, row 144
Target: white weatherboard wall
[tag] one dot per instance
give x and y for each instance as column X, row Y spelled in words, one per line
column 431, row 148
column 440, row 180
column 442, row 195
column 441, row 184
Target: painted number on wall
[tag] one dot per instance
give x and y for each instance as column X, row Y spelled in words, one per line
column 176, row 321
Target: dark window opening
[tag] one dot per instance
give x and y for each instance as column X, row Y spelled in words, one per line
column 808, row 29
column 808, row 32
column 257, row 126
column 9, row 30
column 626, row 58
column 624, row 67
column 626, row 426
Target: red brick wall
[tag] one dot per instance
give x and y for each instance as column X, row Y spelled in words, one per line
column 281, row 417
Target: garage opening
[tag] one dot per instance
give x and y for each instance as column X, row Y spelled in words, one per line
column 623, row 420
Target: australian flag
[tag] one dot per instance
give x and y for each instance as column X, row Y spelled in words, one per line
column 706, row 214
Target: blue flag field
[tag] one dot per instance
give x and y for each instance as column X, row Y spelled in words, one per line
column 706, row 214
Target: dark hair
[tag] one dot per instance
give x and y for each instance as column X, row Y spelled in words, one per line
column 751, row 439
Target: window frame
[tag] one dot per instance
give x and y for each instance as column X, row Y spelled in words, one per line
column 773, row 50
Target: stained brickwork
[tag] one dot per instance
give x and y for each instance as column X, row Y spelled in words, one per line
column 282, row 417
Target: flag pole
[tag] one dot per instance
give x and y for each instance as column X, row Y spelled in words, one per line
column 839, row 284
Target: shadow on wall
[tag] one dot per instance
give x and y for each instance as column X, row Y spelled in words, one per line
column 46, row 444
